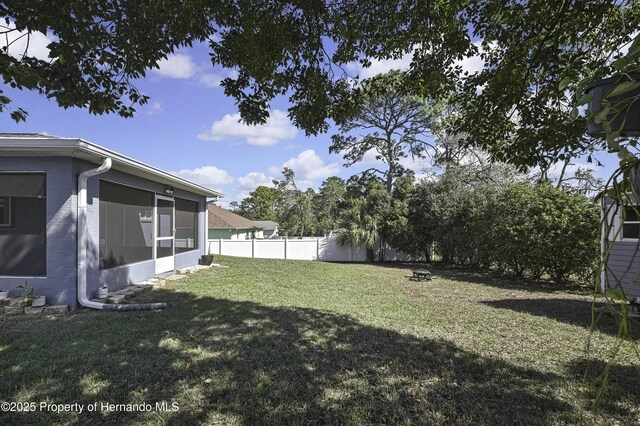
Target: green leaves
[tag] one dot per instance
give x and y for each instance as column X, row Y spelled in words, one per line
column 398, row 125
column 564, row 83
column 616, row 294
column 101, row 47
column 518, row 107
column 521, row 228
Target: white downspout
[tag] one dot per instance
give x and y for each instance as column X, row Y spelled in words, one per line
column 82, row 233
column 82, row 249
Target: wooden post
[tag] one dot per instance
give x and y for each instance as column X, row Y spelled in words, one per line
column 253, row 248
column 285, row 247
column 318, row 248
column 220, row 246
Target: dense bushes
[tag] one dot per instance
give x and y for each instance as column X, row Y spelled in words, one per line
column 524, row 229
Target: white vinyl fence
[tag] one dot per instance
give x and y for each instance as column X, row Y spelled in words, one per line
column 326, row 249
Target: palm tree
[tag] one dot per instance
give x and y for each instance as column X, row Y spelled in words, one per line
column 356, row 227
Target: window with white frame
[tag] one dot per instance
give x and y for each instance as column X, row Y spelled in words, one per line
column 631, row 222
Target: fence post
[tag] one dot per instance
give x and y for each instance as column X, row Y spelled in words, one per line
column 220, row 246
column 285, row 247
column 253, row 248
column 350, row 253
column 318, row 248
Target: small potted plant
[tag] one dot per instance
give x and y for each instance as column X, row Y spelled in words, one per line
column 103, row 291
column 30, row 298
column 206, row 259
column 26, row 292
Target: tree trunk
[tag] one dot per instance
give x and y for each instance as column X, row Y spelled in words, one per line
column 370, row 254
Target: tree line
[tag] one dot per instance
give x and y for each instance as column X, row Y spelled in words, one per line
column 500, row 221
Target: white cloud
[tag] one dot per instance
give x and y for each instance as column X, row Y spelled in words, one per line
column 274, row 170
column 209, row 176
column 23, row 43
column 303, row 185
column 369, row 157
column 214, row 79
column 277, row 128
column 210, row 79
column 154, row 109
column 254, row 179
column 182, row 66
column 224, row 203
column 471, row 64
column 178, row 65
column 415, row 164
column 381, row 66
column 309, row 166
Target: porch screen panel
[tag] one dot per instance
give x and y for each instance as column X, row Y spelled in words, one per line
column 23, row 224
column 186, row 225
column 126, row 225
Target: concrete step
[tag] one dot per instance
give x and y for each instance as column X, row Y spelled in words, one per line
column 116, row 298
column 15, row 301
column 13, row 310
column 56, row 309
column 30, row 310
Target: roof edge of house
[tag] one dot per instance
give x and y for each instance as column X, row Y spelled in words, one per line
column 81, row 149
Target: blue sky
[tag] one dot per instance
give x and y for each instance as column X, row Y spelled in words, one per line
column 190, row 128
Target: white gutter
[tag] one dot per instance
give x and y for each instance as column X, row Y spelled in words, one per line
column 82, row 248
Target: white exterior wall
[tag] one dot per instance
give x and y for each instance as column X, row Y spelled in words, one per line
column 623, row 262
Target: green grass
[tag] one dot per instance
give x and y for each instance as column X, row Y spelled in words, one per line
column 286, row 342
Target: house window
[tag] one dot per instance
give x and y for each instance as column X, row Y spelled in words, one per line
column 23, row 224
column 186, row 225
column 5, row 211
column 126, row 225
column 631, row 222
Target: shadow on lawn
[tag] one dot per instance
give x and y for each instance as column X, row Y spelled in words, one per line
column 570, row 311
column 242, row 362
column 505, row 282
column 622, row 394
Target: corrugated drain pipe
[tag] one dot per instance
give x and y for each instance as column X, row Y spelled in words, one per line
column 82, row 249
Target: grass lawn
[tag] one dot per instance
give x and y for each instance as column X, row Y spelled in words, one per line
column 292, row 342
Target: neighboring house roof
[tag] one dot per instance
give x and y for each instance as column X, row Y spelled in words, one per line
column 43, row 145
column 220, row 218
column 267, row 225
